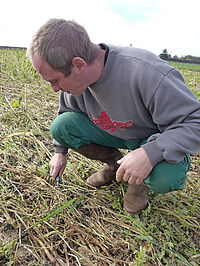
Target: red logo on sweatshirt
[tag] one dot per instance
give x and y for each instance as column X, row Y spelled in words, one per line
column 107, row 124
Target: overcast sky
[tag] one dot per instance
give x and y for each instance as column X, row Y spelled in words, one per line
column 150, row 24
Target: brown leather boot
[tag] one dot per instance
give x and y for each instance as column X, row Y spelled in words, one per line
column 108, row 155
column 103, row 177
column 136, row 198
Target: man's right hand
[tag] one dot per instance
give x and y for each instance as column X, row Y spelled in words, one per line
column 57, row 165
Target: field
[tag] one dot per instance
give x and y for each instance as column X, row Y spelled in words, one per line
column 43, row 224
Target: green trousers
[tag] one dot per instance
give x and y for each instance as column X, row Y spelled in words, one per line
column 73, row 129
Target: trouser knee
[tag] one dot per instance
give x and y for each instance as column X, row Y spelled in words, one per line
column 55, row 127
column 166, row 177
column 66, row 130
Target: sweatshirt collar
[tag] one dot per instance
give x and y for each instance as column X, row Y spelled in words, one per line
column 105, row 47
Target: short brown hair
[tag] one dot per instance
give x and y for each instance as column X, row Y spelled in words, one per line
column 58, row 41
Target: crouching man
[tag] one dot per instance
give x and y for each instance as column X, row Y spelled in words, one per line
column 113, row 98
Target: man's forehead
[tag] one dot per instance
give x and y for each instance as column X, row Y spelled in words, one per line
column 39, row 63
column 41, row 66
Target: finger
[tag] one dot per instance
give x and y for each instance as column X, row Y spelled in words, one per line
column 55, row 173
column 51, row 168
column 132, row 180
column 126, row 177
column 139, row 181
column 51, row 171
column 119, row 173
column 120, row 161
column 61, row 171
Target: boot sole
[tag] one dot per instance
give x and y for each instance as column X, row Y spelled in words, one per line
column 92, row 185
column 137, row 212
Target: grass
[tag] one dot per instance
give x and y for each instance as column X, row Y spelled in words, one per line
column 186, row 67
column 191, row 73
column 43, row 224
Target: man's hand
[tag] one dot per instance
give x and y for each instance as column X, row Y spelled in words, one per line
column 134, row 167
column 57, row 165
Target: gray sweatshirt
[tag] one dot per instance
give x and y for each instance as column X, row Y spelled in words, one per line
column 141, row 96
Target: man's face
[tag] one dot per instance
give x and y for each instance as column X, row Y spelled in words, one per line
column 72, row 84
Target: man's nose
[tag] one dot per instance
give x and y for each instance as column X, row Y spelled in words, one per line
column 55, row 87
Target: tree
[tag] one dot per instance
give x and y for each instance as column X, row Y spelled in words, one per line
column 164, row 55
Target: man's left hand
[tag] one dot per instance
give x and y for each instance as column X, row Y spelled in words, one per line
column 134, row 167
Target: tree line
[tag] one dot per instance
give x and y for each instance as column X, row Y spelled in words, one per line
column 184, row 59
column 164, row 55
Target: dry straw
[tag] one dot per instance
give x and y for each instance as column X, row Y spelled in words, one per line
column 41, row 224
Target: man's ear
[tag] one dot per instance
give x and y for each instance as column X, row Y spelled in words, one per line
column 78, row 64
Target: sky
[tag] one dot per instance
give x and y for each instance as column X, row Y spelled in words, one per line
column 153, row 25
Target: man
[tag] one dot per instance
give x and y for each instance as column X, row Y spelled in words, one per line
column 118, row 98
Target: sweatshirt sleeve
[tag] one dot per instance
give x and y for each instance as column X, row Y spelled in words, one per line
column 176, row 111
